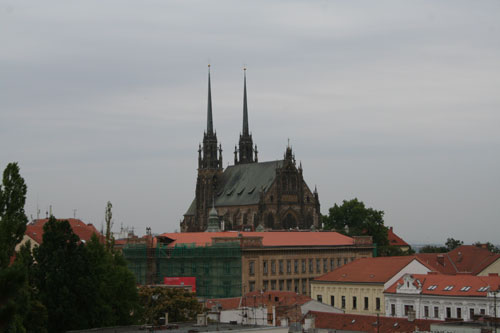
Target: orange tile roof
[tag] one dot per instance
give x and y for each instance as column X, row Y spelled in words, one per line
column 270, row 238
column 361, row 323
column 225, row 303
column 256, row 298
column 368, row 270
column 459, row 283
column 82, row 230
column 465, row 258
column 395, row 239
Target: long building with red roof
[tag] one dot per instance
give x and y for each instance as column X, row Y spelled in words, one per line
column 232, row 263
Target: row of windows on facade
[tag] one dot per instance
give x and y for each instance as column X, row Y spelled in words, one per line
column 458, row 311
column 299, row 285
column 281, row 265
column 342, row 304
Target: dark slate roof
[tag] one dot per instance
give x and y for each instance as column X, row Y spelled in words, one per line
column 241, row 184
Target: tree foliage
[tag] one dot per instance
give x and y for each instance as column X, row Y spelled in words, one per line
column 12, row 227
column 180, row 304
column 82, row 286
column 450, row 245
column 108, row 215
column 352, row 218
column 489, row 246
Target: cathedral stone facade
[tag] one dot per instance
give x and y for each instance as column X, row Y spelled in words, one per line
column 249, row 195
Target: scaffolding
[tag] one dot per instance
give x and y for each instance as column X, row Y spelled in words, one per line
column 217, row 267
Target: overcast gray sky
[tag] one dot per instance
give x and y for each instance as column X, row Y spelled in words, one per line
column 396, row 103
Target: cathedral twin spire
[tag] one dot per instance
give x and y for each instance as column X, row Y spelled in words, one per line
column 212, row 156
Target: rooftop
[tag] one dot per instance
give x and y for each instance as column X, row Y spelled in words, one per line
column 453, row 285
column 368, row 270
column 360, row 323
column 84, row 231
column 465, row 258
column 269, row 238
column 256, row 299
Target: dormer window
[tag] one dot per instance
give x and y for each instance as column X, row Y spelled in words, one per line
column 448, row 288
column 466, row 288
column 432, row 287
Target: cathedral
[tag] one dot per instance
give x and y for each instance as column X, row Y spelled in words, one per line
column 249, row 195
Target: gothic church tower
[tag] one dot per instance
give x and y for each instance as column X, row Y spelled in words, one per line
column 246, row 150
column 209, row 170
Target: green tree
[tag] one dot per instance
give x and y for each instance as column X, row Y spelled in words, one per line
column 108, row 215
column 180, row 304
column 12, row 227
column 61, row 277
column 117, row 302
column 82, row 286
column 452, row 243
column 352, row 218
column 433, row 249
column 489, row 246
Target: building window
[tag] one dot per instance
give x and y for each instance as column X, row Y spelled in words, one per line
column 325, row 265
column 320, row 298
column 264, row 266
column 273, row 267
column 366, row 303
column 339, row 262
column 482, row 311
column 426, row 311
column 332, row 264
column 273, row 284
column 393, row 309
column 343, row 302
column 282, row 267
column 311, row 267
column 251, row 267
column 436, row 312
column 282, row 285
column 332, row 300
column 296, row 285
column 252, row 285
column 377, row 303
column 289, row 267
column 471, row 313
column 318, row 265
column 289, row 285
column 354, row 302
column 265, row 285
column 345, row 261
column 353, row 258
column 296, row 266
column 448, row 312
column 459, row 313
column 304, row 286
column 303, row 265
column 408, row 308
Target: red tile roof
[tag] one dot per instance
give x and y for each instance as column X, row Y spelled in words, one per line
column 271, row 238
column 395, row 239
column 360, row 323
column 256, row 298
column 459, row 282
column 368, row 270
column 82, row 230
column 465, row 258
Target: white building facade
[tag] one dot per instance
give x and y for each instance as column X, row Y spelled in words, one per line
column 441, row 297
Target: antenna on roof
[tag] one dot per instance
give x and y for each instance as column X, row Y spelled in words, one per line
column 74, row 213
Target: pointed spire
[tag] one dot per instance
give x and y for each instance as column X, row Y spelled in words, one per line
column 210, row 126
column 245, row 106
